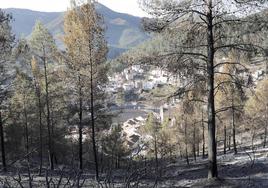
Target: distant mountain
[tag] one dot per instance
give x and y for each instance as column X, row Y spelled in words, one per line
column 123, row 30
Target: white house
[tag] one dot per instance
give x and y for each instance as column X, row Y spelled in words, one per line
column 128, row 86
column 148, row 85
column 129, row 76
column 137, row 68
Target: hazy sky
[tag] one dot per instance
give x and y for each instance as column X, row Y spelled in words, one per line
column 124, row 6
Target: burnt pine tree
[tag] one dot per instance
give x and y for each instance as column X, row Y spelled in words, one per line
column 23, row 54
column 152, row 127
column 43, row 47
column 257, row 107
column 230, row 96
column 6, row 41
column 73, row 40
column 21, row 102
column 86, row 49
column 204, row 31
column 37, row 87
column 203, row 134
column 21, row 98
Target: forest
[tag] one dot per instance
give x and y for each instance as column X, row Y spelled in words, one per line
column 188, row 107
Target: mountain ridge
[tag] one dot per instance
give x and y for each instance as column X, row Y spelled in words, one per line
column 123, row 30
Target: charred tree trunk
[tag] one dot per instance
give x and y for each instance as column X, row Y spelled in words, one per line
column 40, row 130
column 212, row 145
column 265, row 128
column 26, row 131
column 233, row 126
column 197, row 145
column 101, row 162
column 225, row 139
column 80, row 128
column 50, row 142
column 2, row 143
column 40, row 136
column 186, row 143
column 265, row 135
column 93, row 121
column 203, row 136
column 38, row 95
column 52, row 134
column 229, row 143
column 156, row 155
column 180, row 150
column 194, row 143
column 252, row 139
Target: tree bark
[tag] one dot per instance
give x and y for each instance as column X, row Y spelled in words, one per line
column 212, row 145
column 225, row 139
column 2, row 143
column 229, row 143
column 198, row 146
column 26, row 130
column 233, row 126
column 180, row 150
column 38, row 95
column 186, row 142
column 101, row 161
column 156, row 155
column 194, row 140
column 80, row 128
column 203, row 136
column 265, row 135
column 93, row 119
column 40, row 135
column 50, row 142
column 265, row 128
column 52, row 135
